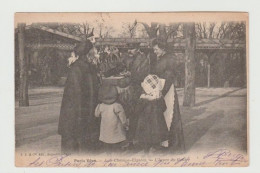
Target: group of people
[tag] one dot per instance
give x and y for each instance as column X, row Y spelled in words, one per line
column 93, row 120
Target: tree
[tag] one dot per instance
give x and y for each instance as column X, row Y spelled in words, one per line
column 104, row 30
column 223, row 30
column 23, row 78
column 161, row 31
column 130, row 29
column 151, row 30
column 220, row 31
column 87, row 28
column 143, row 33
column 189, row 89
column 174, row 30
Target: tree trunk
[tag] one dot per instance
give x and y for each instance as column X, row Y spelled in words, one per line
column 162, row 33
column 151, row 31
column 23, row 78
column 189, row 88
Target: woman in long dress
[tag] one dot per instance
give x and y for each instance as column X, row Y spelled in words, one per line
column 77, row 122
column 164, row 68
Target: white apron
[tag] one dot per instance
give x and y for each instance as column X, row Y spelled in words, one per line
column 168, row 114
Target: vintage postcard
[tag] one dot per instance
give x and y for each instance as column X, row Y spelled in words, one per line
column 158, row 89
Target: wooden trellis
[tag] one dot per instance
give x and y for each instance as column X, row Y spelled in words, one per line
column 38, row 37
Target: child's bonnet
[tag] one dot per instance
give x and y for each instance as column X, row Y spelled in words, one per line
column 153, row 86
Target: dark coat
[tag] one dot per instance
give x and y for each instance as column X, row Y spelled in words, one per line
column 79, row 101
column 151, row 126
column 139, row 68
column 165, row 68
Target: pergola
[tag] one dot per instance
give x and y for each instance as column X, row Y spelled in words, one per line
column 42, row 36
column 35, row 37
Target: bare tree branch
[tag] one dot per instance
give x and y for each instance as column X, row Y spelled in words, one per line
column 211, row 29
column 173, row 28
column 151, row 30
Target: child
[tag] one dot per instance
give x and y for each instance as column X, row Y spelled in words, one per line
column 113, row 120
column 151, row 128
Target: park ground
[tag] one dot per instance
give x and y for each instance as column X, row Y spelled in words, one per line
column 218, row 120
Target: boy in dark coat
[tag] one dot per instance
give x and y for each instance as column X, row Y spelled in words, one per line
column 78, row 103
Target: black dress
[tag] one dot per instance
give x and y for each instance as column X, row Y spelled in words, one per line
column 151, row 126
column 165, row 68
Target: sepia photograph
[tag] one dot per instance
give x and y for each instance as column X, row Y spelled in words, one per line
column 131, row 89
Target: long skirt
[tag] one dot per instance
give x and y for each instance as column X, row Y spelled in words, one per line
column 173, row 120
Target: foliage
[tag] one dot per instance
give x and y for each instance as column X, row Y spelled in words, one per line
column 164, row 32
column 224, row 30
column 104, row 30
column 129, row 29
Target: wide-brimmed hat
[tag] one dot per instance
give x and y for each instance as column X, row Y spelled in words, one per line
column 107, row 94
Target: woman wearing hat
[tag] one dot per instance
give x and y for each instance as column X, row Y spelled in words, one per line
column 76, row 121
column 165, row 69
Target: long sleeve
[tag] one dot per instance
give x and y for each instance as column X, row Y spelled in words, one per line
column 165, row 69
column 71, row 108
column 119, row 111
column 91, row 94
column 140, row 105
column 98, row 111
column 73, row 90
column 161, row 103
column 139, row 68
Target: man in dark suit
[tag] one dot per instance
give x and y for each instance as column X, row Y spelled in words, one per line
column 139, row 69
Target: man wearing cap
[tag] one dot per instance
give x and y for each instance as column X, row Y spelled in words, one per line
column 139, row 69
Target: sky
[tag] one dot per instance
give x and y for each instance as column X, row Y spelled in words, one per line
column 117, row 20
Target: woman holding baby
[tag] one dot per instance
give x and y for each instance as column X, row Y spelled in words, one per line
column 165, row 69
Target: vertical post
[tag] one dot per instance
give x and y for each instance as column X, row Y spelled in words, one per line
column 189, row 88
column 208, row 75
column 162, row 33
column 23, row 78
column 243, row 65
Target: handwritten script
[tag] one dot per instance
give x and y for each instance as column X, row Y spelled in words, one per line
column 225, row 157
column 219, row 158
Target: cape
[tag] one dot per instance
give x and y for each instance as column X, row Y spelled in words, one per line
column 79, row 101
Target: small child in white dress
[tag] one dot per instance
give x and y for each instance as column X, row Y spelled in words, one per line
column 113, row 120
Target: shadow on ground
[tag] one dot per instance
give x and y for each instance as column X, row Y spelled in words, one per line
column 216, row 98
column 196, row 123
